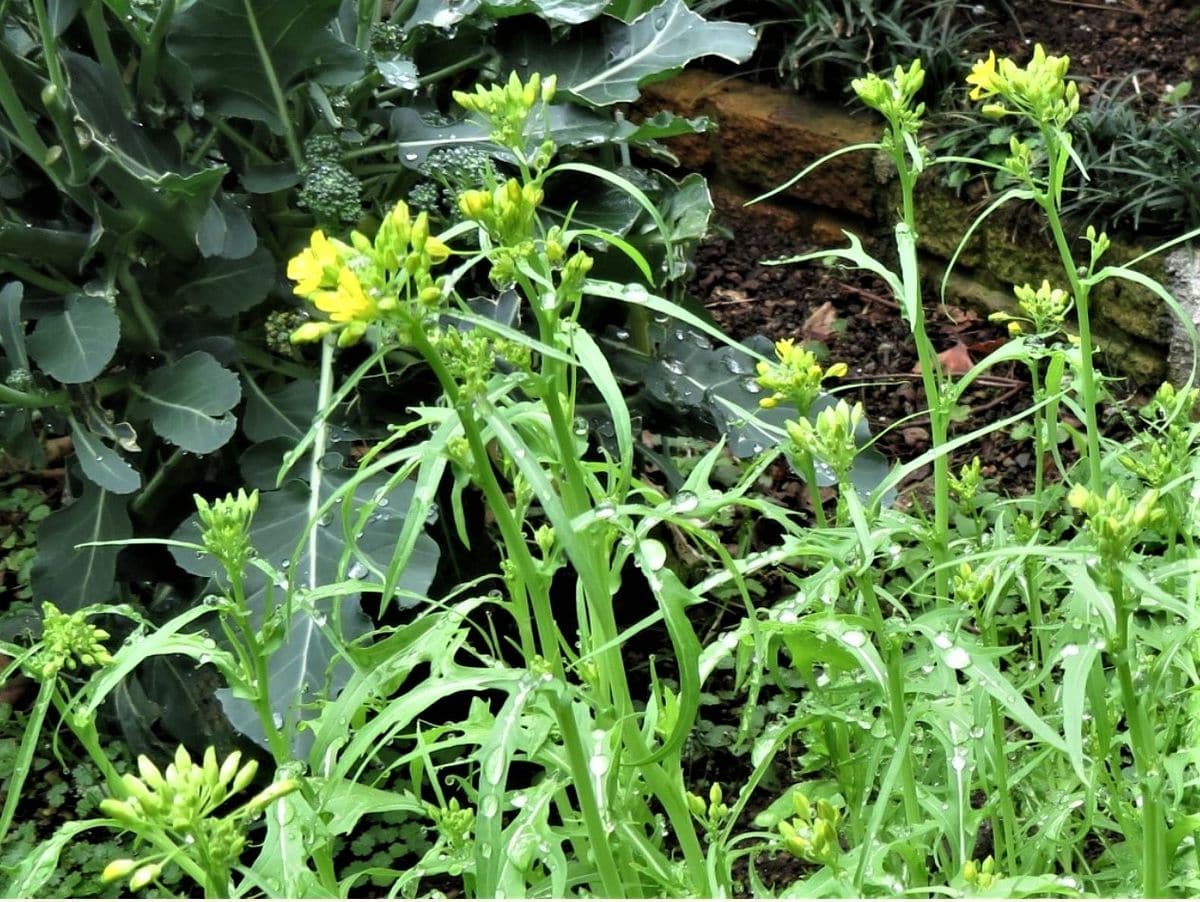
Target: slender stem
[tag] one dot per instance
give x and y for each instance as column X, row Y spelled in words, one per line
column 147, row 79
column 157, row 481
column 133, row 294
column 281, row 108
column 1145, row 752
column 324, row 395
column 1047, row 201
column 11, row 397
column 93, row 16
column 589, row 805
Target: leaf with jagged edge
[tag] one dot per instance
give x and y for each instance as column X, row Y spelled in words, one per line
column 609, row 68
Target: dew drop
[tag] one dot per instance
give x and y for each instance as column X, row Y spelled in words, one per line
column 685, row 502
column 606, row 511
column 957, row 658
column 854, row 638
column 411, row 157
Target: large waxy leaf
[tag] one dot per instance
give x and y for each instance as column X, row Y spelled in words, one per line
column 609, row 70
column 441, row 14
column 70, row 577
column 189, row 402
column 142, row 165
column 286, row 413
column 571, row 126
column 75, row 345
column 101, row 464
column 228, row 287
column 235, row 47
column 306, row 666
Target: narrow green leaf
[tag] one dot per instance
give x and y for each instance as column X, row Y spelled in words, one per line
column 75, row 345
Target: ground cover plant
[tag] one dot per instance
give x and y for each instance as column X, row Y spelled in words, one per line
column 982, row 695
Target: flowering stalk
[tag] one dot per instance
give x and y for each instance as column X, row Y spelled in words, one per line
column 1040, row 94
column 895, row 99
column 1115, row 525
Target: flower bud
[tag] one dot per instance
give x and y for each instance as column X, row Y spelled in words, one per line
column 117, row 870
column 147, row 873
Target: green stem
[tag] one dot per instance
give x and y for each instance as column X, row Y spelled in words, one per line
column 931, row 378
column 1079, row 291
column 157, row 481
column 281, row 108
column 11, row 397
column 14, row 267
column 147, row 79
column 610, row 876
column 132, row 292
column 510, row 531
column 1145, row 752
column 93, row 16
column 25, row 752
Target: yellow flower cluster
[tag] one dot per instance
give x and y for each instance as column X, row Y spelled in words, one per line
column 1044, row 308
column 506, row 212
column 796, row 378
column 507, row 107
column 1039, row 90
column 357, row 284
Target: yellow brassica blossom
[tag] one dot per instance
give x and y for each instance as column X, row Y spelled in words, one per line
column 349, row 302
column 983, row 77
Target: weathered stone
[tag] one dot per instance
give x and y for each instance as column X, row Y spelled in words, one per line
column 768, row 136
column 1183, row 268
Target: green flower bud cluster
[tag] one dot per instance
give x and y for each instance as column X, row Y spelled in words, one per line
column 831, row 438
column 68, row 641
column 329, row 189
column 893, row 97
column 454, row 823
column 1038, row 90
column 813, row 833
column 711, row 811
column 471, row 357
column 1043, row 308
column 225, row 529
column 20, row 378
column 507, row 212
column 1113, row 521
column 508, row 107
column 972, row 586
column 981, row 876
column 1164, row 452
column 796, row 379
column 176, row 807
column 967, row 484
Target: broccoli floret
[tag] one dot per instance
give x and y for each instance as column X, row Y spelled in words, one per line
column 20, row 379
column 279, row 326
column 332, row 193
column 461, row 166
column 322, row 149
column 426, row 196
column 387, row 37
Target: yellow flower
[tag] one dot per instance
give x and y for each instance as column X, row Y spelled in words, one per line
column 308, row 268
column 983, row 77
column 349, row 302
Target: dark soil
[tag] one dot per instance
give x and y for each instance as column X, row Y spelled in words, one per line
column 1109, row 39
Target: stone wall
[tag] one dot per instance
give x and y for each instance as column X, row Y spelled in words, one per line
column 765, row 137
